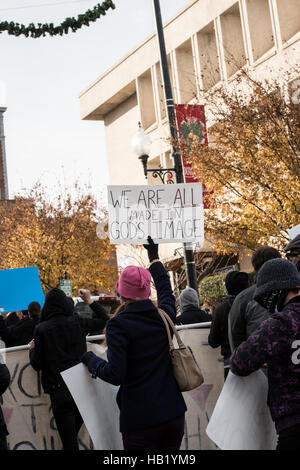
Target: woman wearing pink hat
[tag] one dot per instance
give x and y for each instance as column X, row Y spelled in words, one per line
column 151, row 405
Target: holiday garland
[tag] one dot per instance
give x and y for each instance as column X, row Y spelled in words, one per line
column 73, row 24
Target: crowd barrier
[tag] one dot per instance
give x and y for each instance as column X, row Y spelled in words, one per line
column 29, row 416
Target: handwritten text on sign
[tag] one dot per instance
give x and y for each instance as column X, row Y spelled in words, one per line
column 169, row 213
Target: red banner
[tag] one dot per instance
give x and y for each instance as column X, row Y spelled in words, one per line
column 191, row 122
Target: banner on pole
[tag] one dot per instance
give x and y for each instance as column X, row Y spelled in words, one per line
column 168, row 213
column 191, row 124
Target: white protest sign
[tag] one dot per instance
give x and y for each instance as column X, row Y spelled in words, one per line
column 293, row 232
column 169, row 213
column 241, row 419
column 96, row 402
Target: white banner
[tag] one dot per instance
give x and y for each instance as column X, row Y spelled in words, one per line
column 27, row 410
column 30, row 421
column 241, row 419
column 169, row 213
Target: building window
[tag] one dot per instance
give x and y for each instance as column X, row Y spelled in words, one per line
column 208, row 54
column 186, row 72
column 260, row 26
column 289, row 18
column 146, row 99
column 233, row 41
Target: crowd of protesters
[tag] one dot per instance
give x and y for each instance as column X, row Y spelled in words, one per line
column 256, row 327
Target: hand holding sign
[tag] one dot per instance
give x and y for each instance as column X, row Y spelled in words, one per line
column 152, row 249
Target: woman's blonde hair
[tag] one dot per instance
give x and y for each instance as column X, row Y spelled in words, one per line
column 117, row 311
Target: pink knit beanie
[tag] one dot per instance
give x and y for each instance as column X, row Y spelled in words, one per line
column 134, row 283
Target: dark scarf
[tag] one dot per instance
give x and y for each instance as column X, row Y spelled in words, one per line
column 274, row 301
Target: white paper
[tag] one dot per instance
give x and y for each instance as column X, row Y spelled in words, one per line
column 241, row 419
column 293, row 232
column 96, row 402
column 167, row 212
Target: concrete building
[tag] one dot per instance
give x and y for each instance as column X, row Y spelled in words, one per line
column 3, row 169
column 207, row 42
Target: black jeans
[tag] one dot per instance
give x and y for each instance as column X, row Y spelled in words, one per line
column 3, row 432
column 67, row 417
column 289, row 439
column 166, row 436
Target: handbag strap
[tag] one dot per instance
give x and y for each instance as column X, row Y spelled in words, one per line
column 166, row 319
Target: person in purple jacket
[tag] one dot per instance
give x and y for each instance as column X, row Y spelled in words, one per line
column 151, row 405
column 276, row 343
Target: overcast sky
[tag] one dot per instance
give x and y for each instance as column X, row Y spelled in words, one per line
column 45, row 139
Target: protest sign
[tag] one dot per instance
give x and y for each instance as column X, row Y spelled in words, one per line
column 96, row 401
column 27, row 410
column 169, row 213
column 19, row 287
column 241, row 419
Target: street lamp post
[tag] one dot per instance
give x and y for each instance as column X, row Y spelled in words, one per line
column 141, row 145
column 189, row 261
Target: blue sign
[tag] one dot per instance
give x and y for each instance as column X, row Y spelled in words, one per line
column 19, row 287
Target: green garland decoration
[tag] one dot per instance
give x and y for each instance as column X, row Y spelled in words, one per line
column 72, row 24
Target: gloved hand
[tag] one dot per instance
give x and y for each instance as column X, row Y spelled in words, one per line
column 86, row 357
column 152, row 249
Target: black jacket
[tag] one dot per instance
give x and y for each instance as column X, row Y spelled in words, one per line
column 218, row 335
column 195, row 315
column 4, row 383
column 60, row 338
column 19, row 334
column 12, row 319
column 138, row 359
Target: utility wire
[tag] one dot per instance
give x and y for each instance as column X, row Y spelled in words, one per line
column 42, row 5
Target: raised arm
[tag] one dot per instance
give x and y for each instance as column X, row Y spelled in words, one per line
column 161, row 278
column 90, row 325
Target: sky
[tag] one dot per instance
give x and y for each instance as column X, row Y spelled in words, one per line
column 46, row 141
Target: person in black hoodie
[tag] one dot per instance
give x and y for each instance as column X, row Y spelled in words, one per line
column 58, row 344
column 22, row 332
column 235, row 282
column 190, row 308
column 12, row 319
column 4, row 383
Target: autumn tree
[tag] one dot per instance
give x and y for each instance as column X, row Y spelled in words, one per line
column 58, row 236
column 252, row 161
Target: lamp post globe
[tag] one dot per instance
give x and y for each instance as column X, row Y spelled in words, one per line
column 141, row 145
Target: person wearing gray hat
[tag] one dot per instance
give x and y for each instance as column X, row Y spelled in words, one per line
column 190, row 308
column 292, row 250
column 277, row 344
